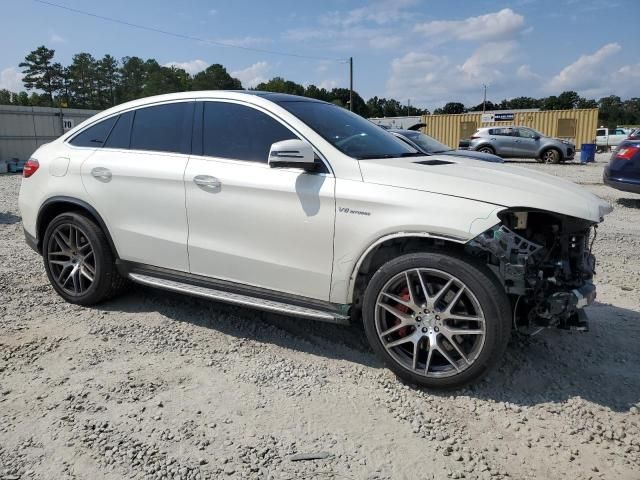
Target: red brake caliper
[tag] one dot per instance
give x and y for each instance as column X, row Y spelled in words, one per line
column 404, row 294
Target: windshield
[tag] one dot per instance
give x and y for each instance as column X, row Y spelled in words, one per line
column 428, row 144
column 348, row 132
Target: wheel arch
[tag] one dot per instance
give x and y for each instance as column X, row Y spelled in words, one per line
column 551, row 147
column 486, row 145
column 56, row 205
column 388, row 246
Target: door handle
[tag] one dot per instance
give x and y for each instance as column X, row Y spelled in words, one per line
column 102, row 174
column 208, row 183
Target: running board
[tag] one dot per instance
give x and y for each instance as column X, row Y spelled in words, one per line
column 239, row 299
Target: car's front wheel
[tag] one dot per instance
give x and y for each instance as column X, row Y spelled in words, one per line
column 551, row 156
column 435, row 319
column 79, row 261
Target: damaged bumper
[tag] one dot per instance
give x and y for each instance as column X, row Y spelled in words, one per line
column 544, row 261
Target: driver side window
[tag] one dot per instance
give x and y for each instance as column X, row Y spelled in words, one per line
column 526, row 133
column 238, row 132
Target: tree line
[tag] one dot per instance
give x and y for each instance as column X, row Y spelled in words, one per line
column 99, row 83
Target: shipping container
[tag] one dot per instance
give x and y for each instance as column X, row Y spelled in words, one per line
column 24, row 129
column 577, row 125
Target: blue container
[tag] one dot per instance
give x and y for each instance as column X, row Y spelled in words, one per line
column 588, row 153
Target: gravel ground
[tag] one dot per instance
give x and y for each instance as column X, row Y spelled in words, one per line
column 154, row 385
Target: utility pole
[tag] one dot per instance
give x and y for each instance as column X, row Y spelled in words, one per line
column 484, row 101
column 351, row 83
column 408, row 106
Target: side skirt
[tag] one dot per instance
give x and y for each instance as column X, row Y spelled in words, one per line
column 237, row 294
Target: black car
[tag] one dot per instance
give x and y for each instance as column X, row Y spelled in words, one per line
column 431, row 146
column 623, row 171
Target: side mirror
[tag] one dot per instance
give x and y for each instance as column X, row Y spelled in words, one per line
column 292, row 154
column 536, row 137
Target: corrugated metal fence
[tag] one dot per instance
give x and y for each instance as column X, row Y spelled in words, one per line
column 24, row 129
column 578, row 125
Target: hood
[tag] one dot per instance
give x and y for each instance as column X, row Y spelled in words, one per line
column 488, row 182
column 485, row 157
column 562, row 140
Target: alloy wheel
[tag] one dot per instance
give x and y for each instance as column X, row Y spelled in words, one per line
column 430, row 322
column 71, row 259
column 550, row 156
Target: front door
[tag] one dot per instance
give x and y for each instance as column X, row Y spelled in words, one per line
column 252, row 224
column 525, row 143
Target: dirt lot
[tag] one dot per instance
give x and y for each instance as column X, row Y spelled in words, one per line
column 155, row 385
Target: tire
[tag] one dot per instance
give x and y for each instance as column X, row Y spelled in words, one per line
column 79, row 261
column 551, row 155
column 487, row 149
column 486, row 319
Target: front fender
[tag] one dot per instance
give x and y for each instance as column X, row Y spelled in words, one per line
column 367, row 215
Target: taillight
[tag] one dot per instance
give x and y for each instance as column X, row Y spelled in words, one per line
column 627, row 153
column 30, row 167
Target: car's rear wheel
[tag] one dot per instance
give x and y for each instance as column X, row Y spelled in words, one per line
column 487, row 149
column 435, row 319
column 79, row 261
column 551, row 155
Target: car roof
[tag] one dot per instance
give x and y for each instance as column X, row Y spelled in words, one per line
column 255, row 97
column 249, row 95
column 503, row 126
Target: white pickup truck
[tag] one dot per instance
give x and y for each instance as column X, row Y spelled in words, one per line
column 609, row 137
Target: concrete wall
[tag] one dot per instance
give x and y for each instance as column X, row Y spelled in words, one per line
column 450, row 129
column 24, row 129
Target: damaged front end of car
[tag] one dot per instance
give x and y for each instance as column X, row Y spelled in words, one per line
column 545, row 264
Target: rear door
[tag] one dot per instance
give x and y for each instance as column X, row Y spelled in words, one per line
column 136, row 183
column 502, row 140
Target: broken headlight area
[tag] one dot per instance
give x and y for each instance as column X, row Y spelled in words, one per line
column 545, row 264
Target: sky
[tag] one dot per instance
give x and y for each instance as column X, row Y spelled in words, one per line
column 428, row 52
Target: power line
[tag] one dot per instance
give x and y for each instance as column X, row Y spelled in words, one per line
column 186, row 37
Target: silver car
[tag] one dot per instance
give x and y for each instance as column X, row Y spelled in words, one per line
column 521, row 142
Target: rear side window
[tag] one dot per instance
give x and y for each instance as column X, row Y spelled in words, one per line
column 240, row 133
column 121, row 132
column 95, row 135
column 505, row 132
column 163, row 128
column 601, row 132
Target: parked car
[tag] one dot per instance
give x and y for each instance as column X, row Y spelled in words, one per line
column 430, row 146
column 319, row 214
column 521, row 142
column 634, row 134
column 623, row 170
column 607, row 138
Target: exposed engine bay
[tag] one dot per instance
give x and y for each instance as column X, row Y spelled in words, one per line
column 545, row 264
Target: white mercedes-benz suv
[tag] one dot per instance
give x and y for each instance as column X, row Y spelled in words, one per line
column 301, row 207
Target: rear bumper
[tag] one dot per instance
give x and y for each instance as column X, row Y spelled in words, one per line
column 624, row 184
